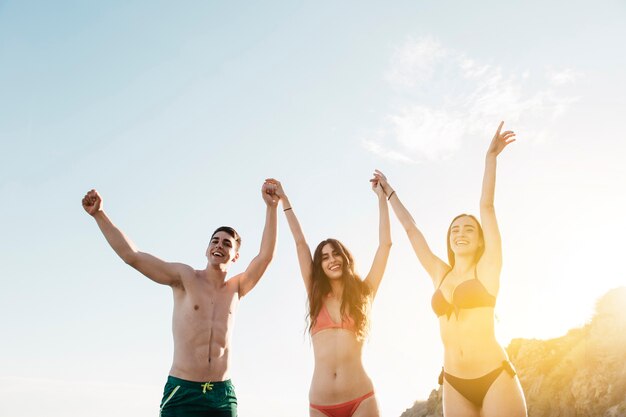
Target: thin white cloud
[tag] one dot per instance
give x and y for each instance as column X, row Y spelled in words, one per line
column 414, row 62
column 471, row 69
column 446, row 96
column 414, row 128
column 374, row 147
column 565, row 76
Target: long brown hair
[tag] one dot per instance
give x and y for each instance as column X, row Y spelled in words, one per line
column 356, row 295
column 481, row 237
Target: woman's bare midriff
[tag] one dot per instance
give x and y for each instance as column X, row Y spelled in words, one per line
column 470, row 346
column 338, row 375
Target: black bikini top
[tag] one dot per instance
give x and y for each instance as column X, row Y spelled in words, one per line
column 468, row 294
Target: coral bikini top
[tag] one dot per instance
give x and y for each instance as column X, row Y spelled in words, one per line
column 468, row 294
column 324, row 321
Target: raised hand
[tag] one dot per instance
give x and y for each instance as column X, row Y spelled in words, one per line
column 92, row 202
column 381, row 179
column 500, row 141
column 278, row 187
column 377, row 187
column 268, row 192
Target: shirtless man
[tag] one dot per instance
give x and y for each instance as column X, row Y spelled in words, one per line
column 205, row 304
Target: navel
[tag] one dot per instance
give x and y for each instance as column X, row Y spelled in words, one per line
column 196, row 307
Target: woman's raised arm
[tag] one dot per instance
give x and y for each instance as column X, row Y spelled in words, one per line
column 302, row 248
column 490, row 263
column 435, row 267
column 379, row 263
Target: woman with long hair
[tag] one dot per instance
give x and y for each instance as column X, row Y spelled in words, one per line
column 478, row 379
column 339, row 302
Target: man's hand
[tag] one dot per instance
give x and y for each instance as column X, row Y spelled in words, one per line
column 280, row 193
column 268, row 191
column 92, row 202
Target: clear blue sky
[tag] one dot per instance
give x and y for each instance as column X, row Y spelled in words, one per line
column 177, row 112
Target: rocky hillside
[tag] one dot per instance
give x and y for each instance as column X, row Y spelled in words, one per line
column 580, row 374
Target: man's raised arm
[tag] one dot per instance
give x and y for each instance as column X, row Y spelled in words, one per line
column 154, row 268
column 259, row 264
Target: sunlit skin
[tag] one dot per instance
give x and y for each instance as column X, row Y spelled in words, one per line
column 468, row 335
column 464, row 238
column 332, row 263
column 339, row 376
column 205, row 302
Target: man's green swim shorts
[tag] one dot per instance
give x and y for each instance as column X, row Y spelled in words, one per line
column 198, row 399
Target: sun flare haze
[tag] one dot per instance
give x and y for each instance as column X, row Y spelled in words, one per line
column 177, row 113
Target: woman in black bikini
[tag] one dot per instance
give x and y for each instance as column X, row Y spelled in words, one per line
column 478, row 379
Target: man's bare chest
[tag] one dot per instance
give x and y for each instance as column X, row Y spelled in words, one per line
column 205, row 302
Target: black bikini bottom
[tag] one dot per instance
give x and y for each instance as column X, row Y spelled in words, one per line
column 475, row 389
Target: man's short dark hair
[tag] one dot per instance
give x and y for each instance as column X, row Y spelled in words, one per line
column 231, row 232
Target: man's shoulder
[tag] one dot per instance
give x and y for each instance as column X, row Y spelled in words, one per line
column 185, row 271
column 234, row 281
